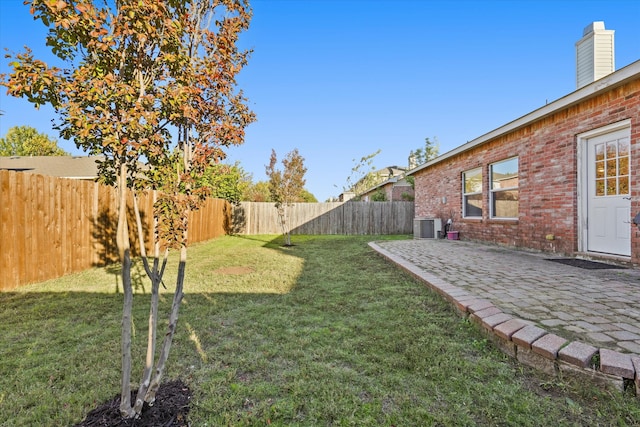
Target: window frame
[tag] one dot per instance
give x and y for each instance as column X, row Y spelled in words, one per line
column 494, row 191
column 466, row 194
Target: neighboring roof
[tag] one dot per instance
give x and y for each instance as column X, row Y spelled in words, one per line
column 611, row 81
column 387, row 174
column 390, row 171
column 73, row 167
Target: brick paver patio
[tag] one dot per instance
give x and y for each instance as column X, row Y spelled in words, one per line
column 596, row 307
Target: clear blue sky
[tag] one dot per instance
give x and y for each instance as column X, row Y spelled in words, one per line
column 340, row 79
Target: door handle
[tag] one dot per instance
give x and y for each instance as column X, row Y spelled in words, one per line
column 627, row 198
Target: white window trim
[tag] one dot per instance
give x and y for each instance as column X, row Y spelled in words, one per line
column 492, row 214
column 464, row 194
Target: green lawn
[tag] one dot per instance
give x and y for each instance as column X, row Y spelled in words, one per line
column 323, row 333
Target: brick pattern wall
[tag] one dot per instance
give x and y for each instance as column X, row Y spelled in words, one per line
column 397, row 192
column 548, row 176
column 393, row 192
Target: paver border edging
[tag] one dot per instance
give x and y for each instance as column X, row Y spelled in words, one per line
column 529, row 344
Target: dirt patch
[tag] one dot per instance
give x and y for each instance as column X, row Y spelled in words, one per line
column 234, row 270
column 170, row 410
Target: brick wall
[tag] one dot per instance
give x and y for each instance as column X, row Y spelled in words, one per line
column 399, row 192
column 548, row 176
column 393, row 192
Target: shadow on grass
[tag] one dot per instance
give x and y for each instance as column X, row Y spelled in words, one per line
column 348, row 340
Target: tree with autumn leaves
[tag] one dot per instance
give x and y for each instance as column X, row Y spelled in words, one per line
column 286, row 186
column 151, row 86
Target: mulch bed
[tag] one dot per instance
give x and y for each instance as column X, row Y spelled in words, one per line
column 169, row 410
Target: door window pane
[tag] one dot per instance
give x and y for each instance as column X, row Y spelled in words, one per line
column 600, row 169
column 623, row 185
column 623, row 147
column 623, row 165
column 612, row 168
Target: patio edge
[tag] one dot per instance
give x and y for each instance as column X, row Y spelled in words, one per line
column 529, row 344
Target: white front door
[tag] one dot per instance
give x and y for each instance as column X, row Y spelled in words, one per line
column 608, row 194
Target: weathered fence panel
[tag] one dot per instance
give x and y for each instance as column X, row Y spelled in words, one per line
column 50, row 226
column 351, row 218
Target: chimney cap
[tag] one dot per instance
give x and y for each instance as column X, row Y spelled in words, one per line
column 593, row 27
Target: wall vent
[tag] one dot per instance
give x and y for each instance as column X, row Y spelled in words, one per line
column 427, row 228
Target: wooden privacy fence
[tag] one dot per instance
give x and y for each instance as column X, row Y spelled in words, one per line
column 351, row 218
column 50, row 226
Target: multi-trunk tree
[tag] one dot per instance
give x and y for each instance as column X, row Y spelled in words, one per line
column 286, row 187
column 151, row 86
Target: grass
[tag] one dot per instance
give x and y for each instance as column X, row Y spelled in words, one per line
column 324, row 333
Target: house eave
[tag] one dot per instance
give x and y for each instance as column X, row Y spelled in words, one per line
column 613, row 80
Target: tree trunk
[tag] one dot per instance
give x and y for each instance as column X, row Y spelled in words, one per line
column 150, row 396
column 285, row 227
column 122, row 240
column 282, row 217
column 156, row 277
column 151, row 339
column 125, row 396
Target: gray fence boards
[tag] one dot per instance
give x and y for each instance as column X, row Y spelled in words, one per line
column 350, row 218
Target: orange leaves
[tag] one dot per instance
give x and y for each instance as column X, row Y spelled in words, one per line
column 31, row 79
column 141, row 69
column 83, row 8
column 56, row 5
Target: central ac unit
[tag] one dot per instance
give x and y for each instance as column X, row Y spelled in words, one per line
column 426, row 228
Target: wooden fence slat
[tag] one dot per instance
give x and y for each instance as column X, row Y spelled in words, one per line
column 40, row 225
column 5, row 209
column 350, row 218
column 56, row 230
column 50, row 226
column 19, row 217
column 8, row 209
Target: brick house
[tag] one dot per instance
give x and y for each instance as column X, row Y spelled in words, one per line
column 394, row 189
column 564, row 178
column 389, row 180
